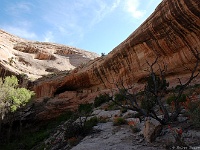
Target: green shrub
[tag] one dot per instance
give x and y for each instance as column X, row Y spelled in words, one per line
column 161, row 84
column 148, row 104
column 173, row 97
column 102, row 98
column 178, row 87
column 119, row 97
column 170, row 99
column 103, row 54
column 85, row 109
column 102, row 119
column 182, row 98
column 123, row 110
column 64, row 117
column 75, row 129
column 135, row 129
column 138, row 115
column 89, row 124
column 84, row 126
column 92, row 122
column 119, row 121
column 196, row 85
column 112, row 106
column 72, row 129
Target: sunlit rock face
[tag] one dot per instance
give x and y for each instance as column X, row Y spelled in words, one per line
column 171, row 33
column 36, row 59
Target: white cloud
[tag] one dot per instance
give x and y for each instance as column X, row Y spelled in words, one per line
column 132, row 6
column 16, row 9
column 48, row 37
column 71, row 20
column 103, row 9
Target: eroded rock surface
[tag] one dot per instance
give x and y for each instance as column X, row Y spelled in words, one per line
column 171, row 33
column 20, row 56
column 152, row 129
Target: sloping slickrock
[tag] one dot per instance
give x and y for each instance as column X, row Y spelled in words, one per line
column 113, row 138
column 20, row 56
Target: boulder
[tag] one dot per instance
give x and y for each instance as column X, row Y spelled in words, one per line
column 152, row 129
column 107, row 114
column 129, row 114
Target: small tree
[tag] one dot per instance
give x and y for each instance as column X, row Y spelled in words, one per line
column 12, row 98
column 154, row 94
column 103, row 54
column 81, row 128
column 84, row 111
column 102, row 98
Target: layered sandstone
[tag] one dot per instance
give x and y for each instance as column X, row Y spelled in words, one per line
column 20, row 56
column 171, row 33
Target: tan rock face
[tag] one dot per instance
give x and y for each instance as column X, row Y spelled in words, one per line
column 34, row 59
column 25, row 47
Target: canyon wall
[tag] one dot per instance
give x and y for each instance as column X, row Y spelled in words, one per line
column 36, row 59
column 171, row 33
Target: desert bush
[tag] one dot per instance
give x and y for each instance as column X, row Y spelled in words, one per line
column 72, row 129
column 103, row 54
column 102, row 98
column 102, row 119
column 172, row 99
column 83, row 126
column 177, row 134
column 119, row 121
column 120, row 95
column 112, row 106
column 133, row 126
column 138, row 115
column 148, row 104
column 89, row 124
column 85, row 109
column 123, row 110
column 135, row 129
column 92, row 122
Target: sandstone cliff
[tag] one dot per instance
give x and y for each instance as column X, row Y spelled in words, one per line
column 35, row 59
column 171, row 33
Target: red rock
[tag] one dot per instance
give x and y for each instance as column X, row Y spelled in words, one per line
column 171, row 33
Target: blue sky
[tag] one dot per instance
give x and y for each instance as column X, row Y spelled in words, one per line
column 93, row 25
